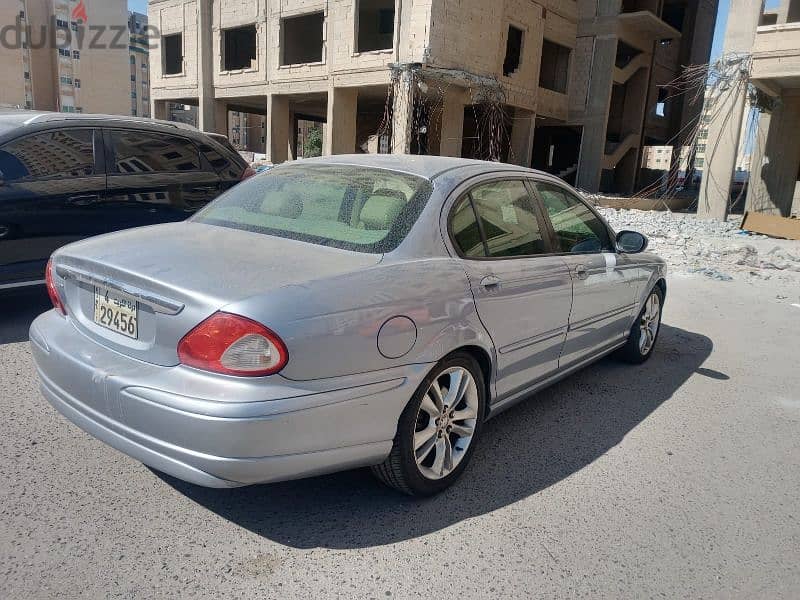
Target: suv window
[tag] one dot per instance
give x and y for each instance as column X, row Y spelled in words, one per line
column 146, row 152
column 507, row 217
column 577, row 228
column 221, row 163
column 58, row 153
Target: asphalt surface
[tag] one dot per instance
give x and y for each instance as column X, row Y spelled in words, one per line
column 679, row 478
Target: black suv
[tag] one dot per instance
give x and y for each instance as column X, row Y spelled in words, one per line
column 64, row 177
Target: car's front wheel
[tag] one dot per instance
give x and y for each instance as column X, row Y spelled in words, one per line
column 438, row 429
column 644, row 333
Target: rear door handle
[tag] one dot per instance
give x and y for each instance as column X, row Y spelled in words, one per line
column 581, row 272
column 85, row 200
column 4, row 231
column 491, row 282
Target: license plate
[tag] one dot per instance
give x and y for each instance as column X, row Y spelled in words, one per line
column 116, row 312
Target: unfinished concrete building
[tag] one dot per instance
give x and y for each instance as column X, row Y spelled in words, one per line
column 764, row 46
column 571, row 87
column 775, row 166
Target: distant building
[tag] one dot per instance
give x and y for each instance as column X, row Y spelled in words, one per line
column 746, row 135
column 247, row 131
column 182, row 113
column 140, row 65
column 15, row 64
column 83, row 71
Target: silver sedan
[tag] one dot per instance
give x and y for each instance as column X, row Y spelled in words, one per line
column 338, row 313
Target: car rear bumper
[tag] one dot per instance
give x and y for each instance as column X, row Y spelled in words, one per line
column 185, row 423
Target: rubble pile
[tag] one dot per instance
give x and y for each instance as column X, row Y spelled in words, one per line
column 715, row 249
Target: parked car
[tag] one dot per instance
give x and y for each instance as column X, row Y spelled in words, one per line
column 337, row 313
column 65, row 177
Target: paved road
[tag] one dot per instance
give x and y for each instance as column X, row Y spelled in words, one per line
column 679, row 478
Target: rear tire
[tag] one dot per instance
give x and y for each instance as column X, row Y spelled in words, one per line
column 644, row 332
column 437, row 432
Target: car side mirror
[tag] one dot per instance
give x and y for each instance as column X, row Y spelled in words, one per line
column 631, row 242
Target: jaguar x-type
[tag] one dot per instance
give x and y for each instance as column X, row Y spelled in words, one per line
column 337, row 313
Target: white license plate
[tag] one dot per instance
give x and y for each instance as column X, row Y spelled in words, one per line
column 116, row 312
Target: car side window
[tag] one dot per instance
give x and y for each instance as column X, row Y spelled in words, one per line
column 147, row 152
column 508, row 218
column 465, row 230
column 577, row 228
column 58, row 153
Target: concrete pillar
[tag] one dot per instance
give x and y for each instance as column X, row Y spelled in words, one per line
column 724, row 131
column 221, row 117
column 158, row 109
column 340, row 136
column 595, row 121
column 522, row 131
column 403, row 114
column 774, row 169
column 278, row 128
column 205, row 68
column 292, row 136
column 451, row 133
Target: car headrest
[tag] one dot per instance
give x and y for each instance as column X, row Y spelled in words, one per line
column 380, row 212
column 283, row 204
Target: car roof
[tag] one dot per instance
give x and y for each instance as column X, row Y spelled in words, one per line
column 429, row 167
column 12, row 119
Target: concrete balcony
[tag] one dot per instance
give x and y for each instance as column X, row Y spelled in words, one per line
column 776, row 58
column 641, row 28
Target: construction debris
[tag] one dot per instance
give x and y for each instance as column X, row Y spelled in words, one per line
column 715, row 249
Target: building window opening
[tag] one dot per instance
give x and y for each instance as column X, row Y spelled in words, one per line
column 375, row 23
column 625, row 54
column 239, row 47
column 173, row 54
column 513, row 51
column 554, row 72
column 302, row 39
column 674, row 15
column 661, row 105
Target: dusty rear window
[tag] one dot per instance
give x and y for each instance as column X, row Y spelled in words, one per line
column 349, row 207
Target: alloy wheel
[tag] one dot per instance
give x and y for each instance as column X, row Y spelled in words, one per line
column 446, row 423
column 649, row 323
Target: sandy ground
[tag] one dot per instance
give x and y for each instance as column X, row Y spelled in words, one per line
column 677, row 478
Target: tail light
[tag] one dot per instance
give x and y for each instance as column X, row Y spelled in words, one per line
column 52, row 291
column 248, row 173
column 233, row 345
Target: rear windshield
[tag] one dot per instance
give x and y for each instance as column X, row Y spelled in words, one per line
column 349, row 207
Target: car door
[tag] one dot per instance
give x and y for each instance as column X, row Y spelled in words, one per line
column 51, row 186
column 604, row 292
column 155, row 177
column 523, row 295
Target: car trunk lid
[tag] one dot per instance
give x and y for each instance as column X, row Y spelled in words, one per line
column 177, row 275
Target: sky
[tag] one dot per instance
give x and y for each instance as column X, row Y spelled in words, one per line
column 719, row 34
column 138, row 6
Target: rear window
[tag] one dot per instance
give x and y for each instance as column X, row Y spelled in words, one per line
column 349, row 207
column 224, row 165
column 145, row 152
